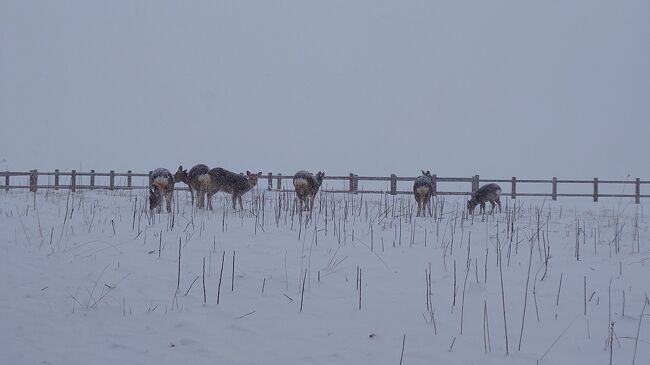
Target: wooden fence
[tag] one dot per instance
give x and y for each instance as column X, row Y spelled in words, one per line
column 75, row 181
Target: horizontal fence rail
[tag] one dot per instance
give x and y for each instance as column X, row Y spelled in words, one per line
column 78, row 180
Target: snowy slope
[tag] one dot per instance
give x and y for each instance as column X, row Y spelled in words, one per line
column 91, row 278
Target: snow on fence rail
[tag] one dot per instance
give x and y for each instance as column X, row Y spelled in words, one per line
column 75, row 181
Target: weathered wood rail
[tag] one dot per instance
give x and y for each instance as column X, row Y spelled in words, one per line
column 75, row 181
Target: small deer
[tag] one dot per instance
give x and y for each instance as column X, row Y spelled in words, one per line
column 232, row 183
column 162, row 185
column 306, row 186
column 486, row 193
column 423, row 189
column 197, row 180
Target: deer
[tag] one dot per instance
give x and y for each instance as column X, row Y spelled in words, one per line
column 232, row 183
column 162, row 186
column 486, row 193
column 423, row 189
column 306, row 186
column 197, row 180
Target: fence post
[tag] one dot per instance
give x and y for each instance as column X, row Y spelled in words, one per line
column 111, row 179
column 637, row 198
column 92, row 179
column 554, row 189
column 475, row 183
column 278, row 182
column 56, row 179
column 73, row 180
column 595, row 189
column 513, row 195
column 434, row 184
column 33, row 181
column 128, row 179
column 356, row 183
column 150, row 178
column 270, row 181
column 393, row 184
column 7, row 181
column 351, row 182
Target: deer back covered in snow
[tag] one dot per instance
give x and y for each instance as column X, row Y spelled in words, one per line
column 423, row 189
column 232, row 183
column 197, row 180
column 307, row 186
column 162, row 187
column 486, row 193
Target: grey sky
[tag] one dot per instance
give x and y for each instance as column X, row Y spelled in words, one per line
column 499, row 88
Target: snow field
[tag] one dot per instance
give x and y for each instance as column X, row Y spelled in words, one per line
column 93, row 277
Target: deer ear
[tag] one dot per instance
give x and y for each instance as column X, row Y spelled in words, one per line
column 248, row 172
column 180, row 168
column 259, row 173
column 150, row 191
column 428, row 172
column 423, row 173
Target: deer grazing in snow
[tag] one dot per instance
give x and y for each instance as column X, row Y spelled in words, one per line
column 162, row 187
column 197, row 180
column 423, row 189
column 232, row 183
column 306, row 186
column 486, row 193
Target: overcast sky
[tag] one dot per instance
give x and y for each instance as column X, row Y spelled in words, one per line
column 496, row 88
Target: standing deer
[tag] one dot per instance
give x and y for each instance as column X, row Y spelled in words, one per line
column 197, row 180
column 162, row 185
column 423, row 189
column 486, row 193
column 306, row 186
column 232, row 183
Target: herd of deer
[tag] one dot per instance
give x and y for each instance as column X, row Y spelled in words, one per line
column 205, row 182
column 423, row 190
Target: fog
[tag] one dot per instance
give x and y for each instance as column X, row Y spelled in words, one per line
column 496, row 88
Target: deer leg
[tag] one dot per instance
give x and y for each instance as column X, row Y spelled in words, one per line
column 234, row 200
column 499, row 203
column 206, row 203
column 208, row 196
column 241, row 205
column 482, row 208
column 191, row 194
column 168, row 200
column 429, row 207
column 204, row 196
column 492, row 204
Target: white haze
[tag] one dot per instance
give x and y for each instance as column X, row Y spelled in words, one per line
column 498, row 88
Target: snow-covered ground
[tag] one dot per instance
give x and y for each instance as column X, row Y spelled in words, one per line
column 92, row 278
